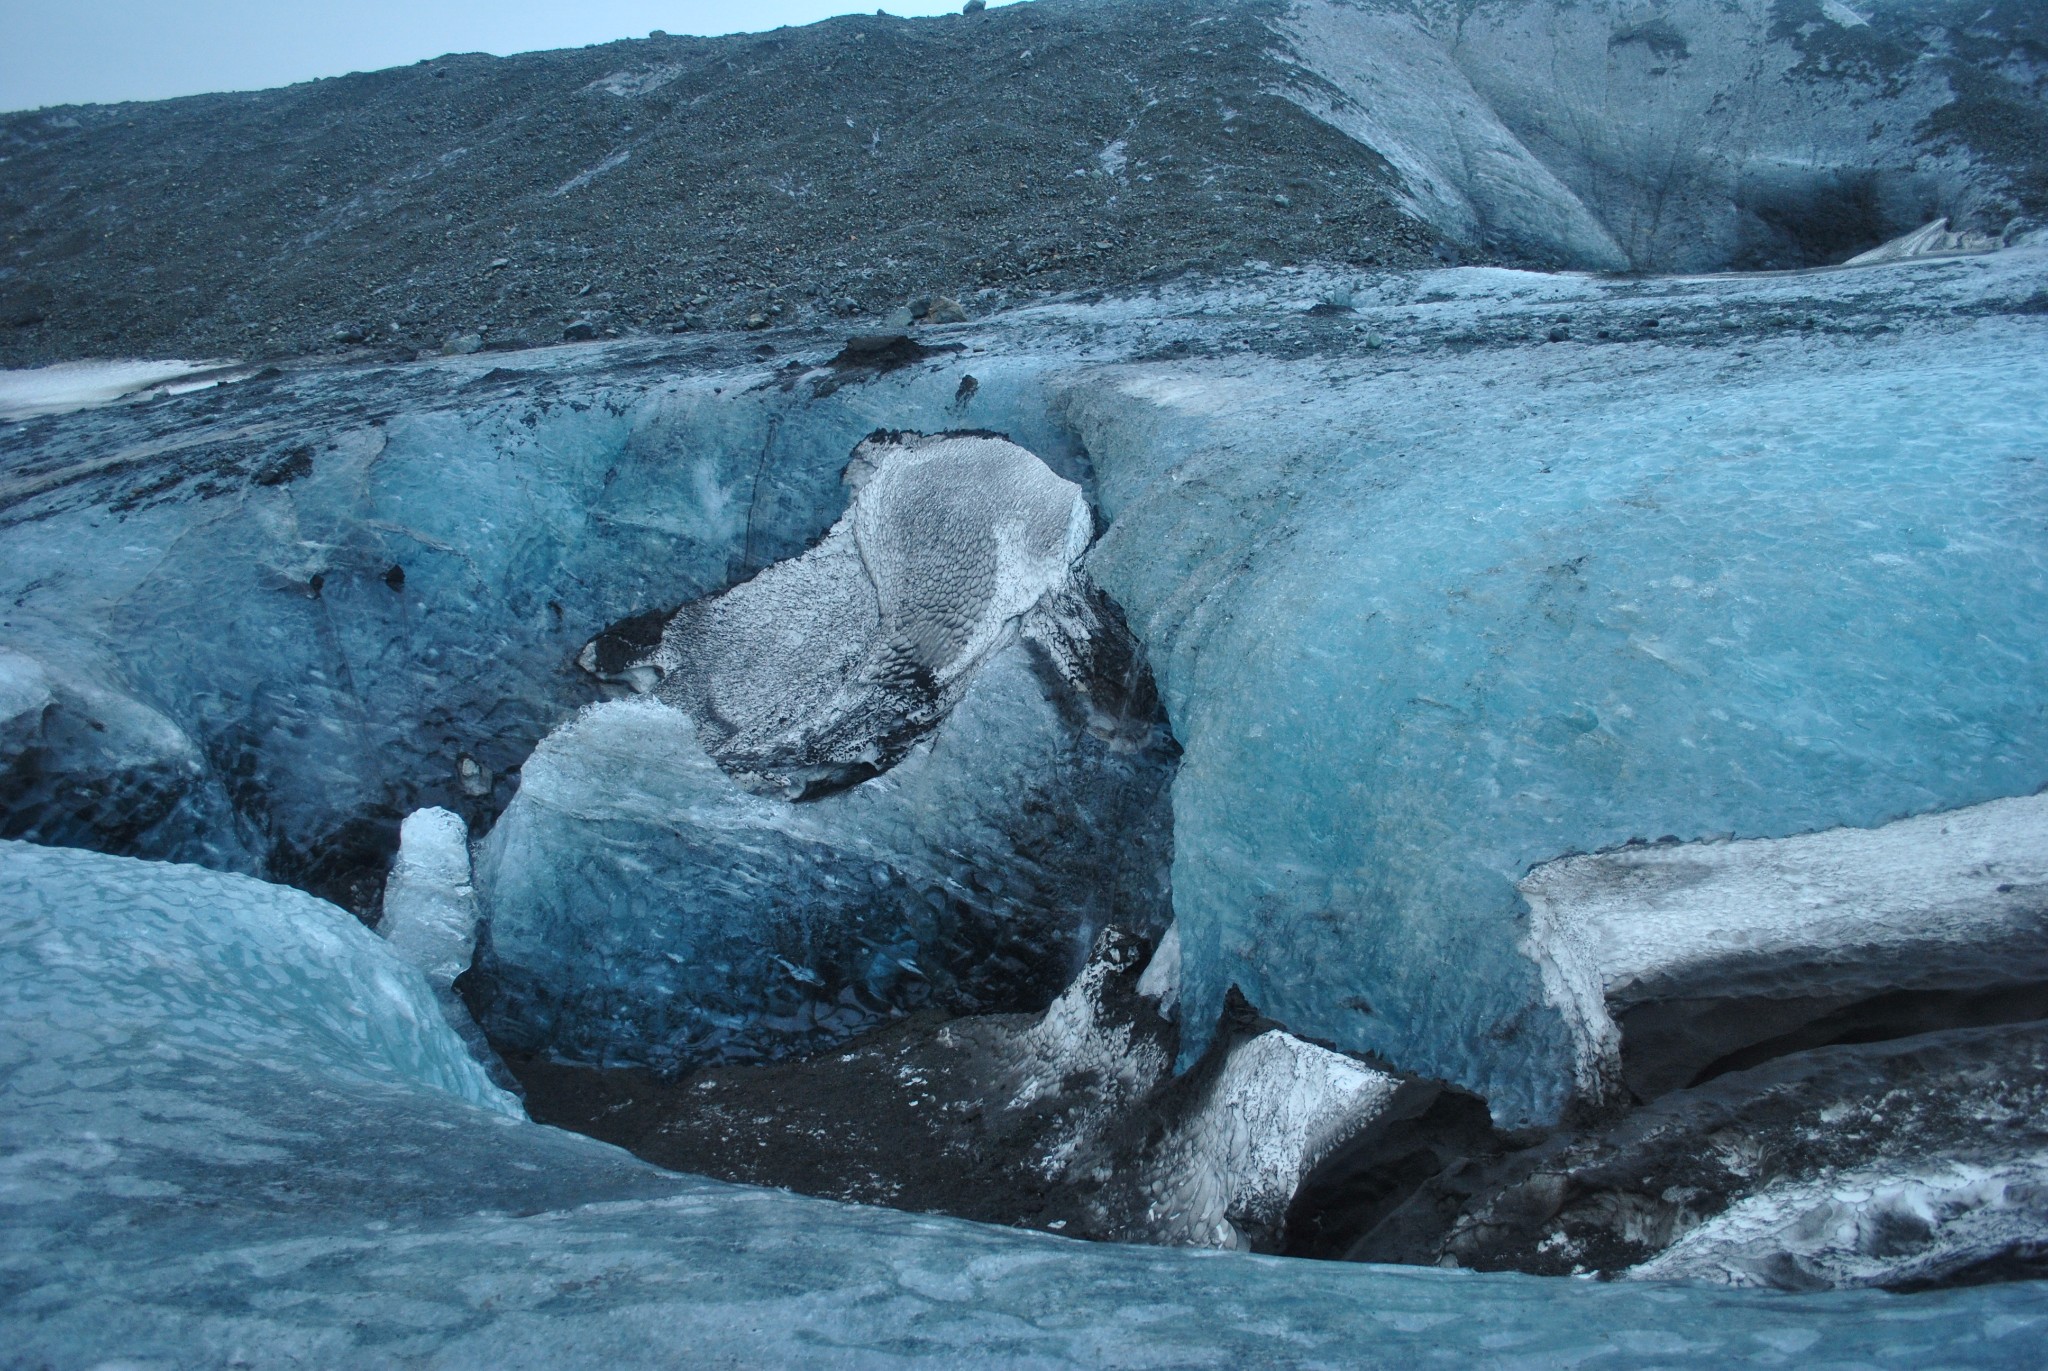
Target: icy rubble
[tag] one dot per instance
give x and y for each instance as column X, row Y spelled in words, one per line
column 429, row 906
column 1954, row 900
column 234, row 1129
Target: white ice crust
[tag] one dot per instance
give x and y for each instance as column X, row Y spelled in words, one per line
column 69, row 386
column 1278, row 1107
column 1951, row 899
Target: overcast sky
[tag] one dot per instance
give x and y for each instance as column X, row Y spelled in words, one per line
column 61, row 52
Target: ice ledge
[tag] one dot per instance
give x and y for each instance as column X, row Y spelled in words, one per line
column 1950, row 900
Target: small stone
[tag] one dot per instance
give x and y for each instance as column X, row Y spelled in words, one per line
column 462, row 344
column 919, row 306
column 1375, row 341
column 1282, row 201
column 899, row 319
column 500, row 263
column 350, row 334
column 579, row 332
column 846, row 304
column 757, row 320
column 1560, row 334
column 946, row 310
column 974, row 6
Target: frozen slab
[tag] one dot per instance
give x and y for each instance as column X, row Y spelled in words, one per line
column 69, row 386
column 1930, row 240
column 1951, row 900
column 1427, row 619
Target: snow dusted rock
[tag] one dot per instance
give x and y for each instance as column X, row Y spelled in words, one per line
column 1903, row 1164
column 429, row 906
column 1897, row 1227
column 1950, row 901
column 825, row 669
column 1228, row 1166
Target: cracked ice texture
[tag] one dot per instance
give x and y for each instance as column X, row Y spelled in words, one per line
column 1423, row 627
column 208, row 1159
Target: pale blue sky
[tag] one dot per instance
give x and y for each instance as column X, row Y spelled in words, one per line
column 59, row 52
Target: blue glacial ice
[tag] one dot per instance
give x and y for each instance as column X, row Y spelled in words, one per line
column 1427, row 616
column 233, row 1132
column 660, row 893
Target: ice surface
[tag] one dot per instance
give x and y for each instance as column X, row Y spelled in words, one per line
column 826, row 668
column 232, row 1131
column 1952, row 900
column 359, row 591
column 69, row 386
column 1426, row 621
column 1751, row 139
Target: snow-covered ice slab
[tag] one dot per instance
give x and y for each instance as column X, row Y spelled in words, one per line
column 1952, row 900
column 69, row 386
column 232, row 1131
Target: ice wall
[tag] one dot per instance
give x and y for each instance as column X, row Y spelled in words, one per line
column 1424, row 623
column 359, row 591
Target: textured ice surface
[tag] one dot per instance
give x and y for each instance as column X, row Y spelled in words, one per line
column 826, row 668
column 1746, row 134
column 207, row 1158
column 1951, row 900
column 360, row 591
column 1275, row 1109
column 1427, row 618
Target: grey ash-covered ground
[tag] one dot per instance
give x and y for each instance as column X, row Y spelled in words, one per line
column 839, row 169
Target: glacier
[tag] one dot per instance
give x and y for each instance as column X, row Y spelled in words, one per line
column 236, row 1132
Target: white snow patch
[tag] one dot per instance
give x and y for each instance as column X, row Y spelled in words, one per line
column 584, row 178
column 1161, row 978
column 1113, row 159
column 1952, row 899
column 69, row 386
column 631, row 83
column 1843, row 15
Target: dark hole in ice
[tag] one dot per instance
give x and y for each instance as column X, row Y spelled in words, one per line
column 1670, row 1044
column 1343, row 1203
